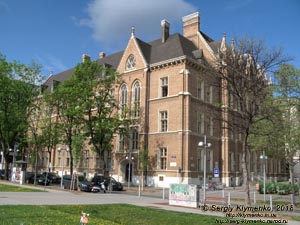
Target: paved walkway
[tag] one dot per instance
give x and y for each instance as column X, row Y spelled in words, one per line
column 148, row 198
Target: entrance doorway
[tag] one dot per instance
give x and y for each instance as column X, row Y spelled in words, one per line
column 127, row 172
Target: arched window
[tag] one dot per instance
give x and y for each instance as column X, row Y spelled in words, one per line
column 130, row 63
column 136, row 99
column 123, row 98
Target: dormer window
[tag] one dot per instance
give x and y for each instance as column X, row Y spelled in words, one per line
column 130, row 63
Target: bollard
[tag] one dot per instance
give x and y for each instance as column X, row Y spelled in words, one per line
column 254, row 197
column 163, row 193
column 228, row 202
column 271, row 203
column 223, row 193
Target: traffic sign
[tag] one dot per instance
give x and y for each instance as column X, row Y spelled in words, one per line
column 216, row 172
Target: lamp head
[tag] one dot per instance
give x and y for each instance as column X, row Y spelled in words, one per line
column 200, row 144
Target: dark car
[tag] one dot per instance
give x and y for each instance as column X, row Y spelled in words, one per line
column 70, row 182
column 111, row 184
column 97, row 180
column 42, row 180
column 85, row 186
column 29, row 177
column 2, row 174
column 53, row 177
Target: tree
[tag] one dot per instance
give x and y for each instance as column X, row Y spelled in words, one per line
column 242, row 73
column 18, row 89
column 86, row 108
column 287, row 94
column 102, row 119
column 68, row 122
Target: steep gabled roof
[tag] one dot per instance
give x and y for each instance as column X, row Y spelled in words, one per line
column 154, row 52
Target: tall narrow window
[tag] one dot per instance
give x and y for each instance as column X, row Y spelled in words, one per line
column 200, row 123
column 210, row 94
column 200, row 89
column 134, row 139
column 121, row 142
column 164, row 87
column 123, row 98
column 232, row 162
column 163, row 152
column 164, row 121
column 136, row 98
column 211, row 126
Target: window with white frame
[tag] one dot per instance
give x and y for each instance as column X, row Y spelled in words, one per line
column 136, row 98
column 200, row 89
column 164, row 87
column 163, row 121
column 162, row 158
column 123, row 98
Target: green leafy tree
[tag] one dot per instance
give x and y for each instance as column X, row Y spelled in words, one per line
column 102, row 119
column 69, row 114
column 18, row 88
column 287, row 94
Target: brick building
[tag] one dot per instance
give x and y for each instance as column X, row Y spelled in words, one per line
column 172, row 96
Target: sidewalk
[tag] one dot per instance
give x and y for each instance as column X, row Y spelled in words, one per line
column 150, row 197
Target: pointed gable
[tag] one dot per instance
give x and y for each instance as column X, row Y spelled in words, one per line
column 133, row 57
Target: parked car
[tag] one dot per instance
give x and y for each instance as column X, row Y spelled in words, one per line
column 42, row 180
column 70, row 182
column 53, row 177
column 218, row 186
column 2, row 174
column 111, row 182
column 97, row 180
column 29, row 177
column 85, row 186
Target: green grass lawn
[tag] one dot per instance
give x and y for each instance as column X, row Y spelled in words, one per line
column 98, row 214
column 11, row 188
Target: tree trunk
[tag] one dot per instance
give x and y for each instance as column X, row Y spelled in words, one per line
column 292, row 182
column 246, row 187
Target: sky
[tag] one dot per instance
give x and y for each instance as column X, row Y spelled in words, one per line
column 56, row 33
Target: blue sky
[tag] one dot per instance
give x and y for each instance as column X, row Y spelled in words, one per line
column 56, row 33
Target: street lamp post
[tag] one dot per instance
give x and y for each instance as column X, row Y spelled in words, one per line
column 130, row 158
column 63, row 163
column 205, row 145
column 264, row 158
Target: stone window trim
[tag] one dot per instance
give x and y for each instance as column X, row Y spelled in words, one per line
column 130, row 63
column 163, row 121
column 164, row 86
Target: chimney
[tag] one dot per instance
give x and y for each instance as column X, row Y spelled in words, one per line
column 191, row 24
column 101, row 55
column 85, row 57
column 165, row 27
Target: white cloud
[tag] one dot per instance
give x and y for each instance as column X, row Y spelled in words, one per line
column 111, row 21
